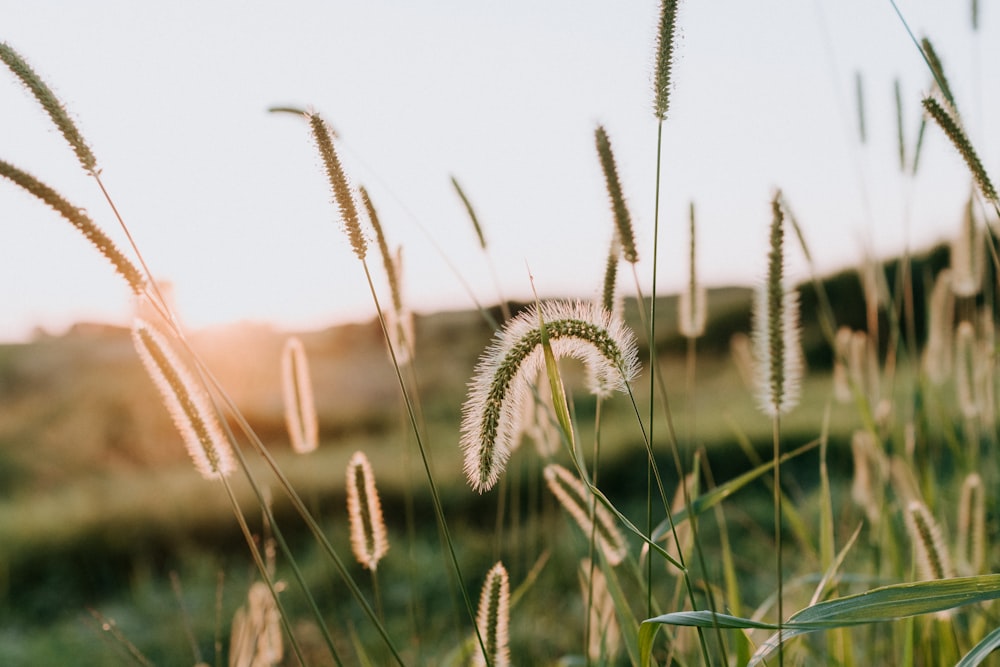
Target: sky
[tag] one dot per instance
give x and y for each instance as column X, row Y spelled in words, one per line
column 229, row 203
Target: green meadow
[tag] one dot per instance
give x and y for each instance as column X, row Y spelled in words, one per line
column 785, row 474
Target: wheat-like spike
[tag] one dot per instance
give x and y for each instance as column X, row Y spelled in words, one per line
column 79, row 219
column 471, row 211
column 605, row 635
column 859, row 96
column 937, row 70
column 57, row 112
column 623, row 220
column 369, row 537
column 932, row 559
column 968, row 254
column 186, row 400
column 941, row 312
column 577, row 500
column 493, row 618
column 664, row 57
column 971, row 541
column 692, row 305
column 778, row 351
column 297, row 391
column 343, row 197
column 609, row 296
column 961, row 142
column 502, row 378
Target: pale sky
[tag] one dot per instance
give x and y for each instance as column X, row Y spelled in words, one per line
column 230, row 204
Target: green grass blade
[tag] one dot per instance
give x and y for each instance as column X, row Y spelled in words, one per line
column 888, row 603
column 990, row 643
column 711, row 498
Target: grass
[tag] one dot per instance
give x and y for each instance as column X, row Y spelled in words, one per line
column 114, row 549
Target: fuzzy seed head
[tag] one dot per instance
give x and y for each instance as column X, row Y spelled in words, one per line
column 297, row 391
column 493, row 618
column 187, row 401
column 777, row 349
column 664, row 57
column 932, row 559
column 79, row 219
column 623, row 219
column 501, row 384
column 966, row 372
column 343, row 196
column 960, row 140
column 609, row 297
column 577, row 500
column 605, row 636
column 968, row 255
column 369, row 537
column 940, row 329
column 692, row 305
column 971, row 542
column 53, row 107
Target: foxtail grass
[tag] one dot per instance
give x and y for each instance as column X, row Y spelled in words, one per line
column 187, row 401
column 493, row 619
column 500, row 386
column 956, row 134
column 52, row 106
column 619, row 209
column 297, row 391
column 79, row 219
column 369, row 538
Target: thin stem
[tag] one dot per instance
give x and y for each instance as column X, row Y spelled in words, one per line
column 776, row 428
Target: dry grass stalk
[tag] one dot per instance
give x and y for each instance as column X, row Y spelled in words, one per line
column 493, row 618
column 501, row 385
column 297, row 391
column 369, row 537
column 187, row 401
column 577, row 500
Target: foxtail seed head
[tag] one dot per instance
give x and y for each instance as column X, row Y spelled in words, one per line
column 971, row 542
column 609, row 297
column 777, row 348
column 966, row 373
column 186, row 400
column 491, row 414
column 579, row 502
column 297, row 391
column 255, row 638
column 940, row 330
column 369, row 537
column 932, row 559
column 57, row 112
column 79, row 219
column 343, row 197
column 960, row 140
column 605, row 635
column 692, row 305
column 968, row 253
column 493, row 618
column 664, row 57
column 623, row 220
